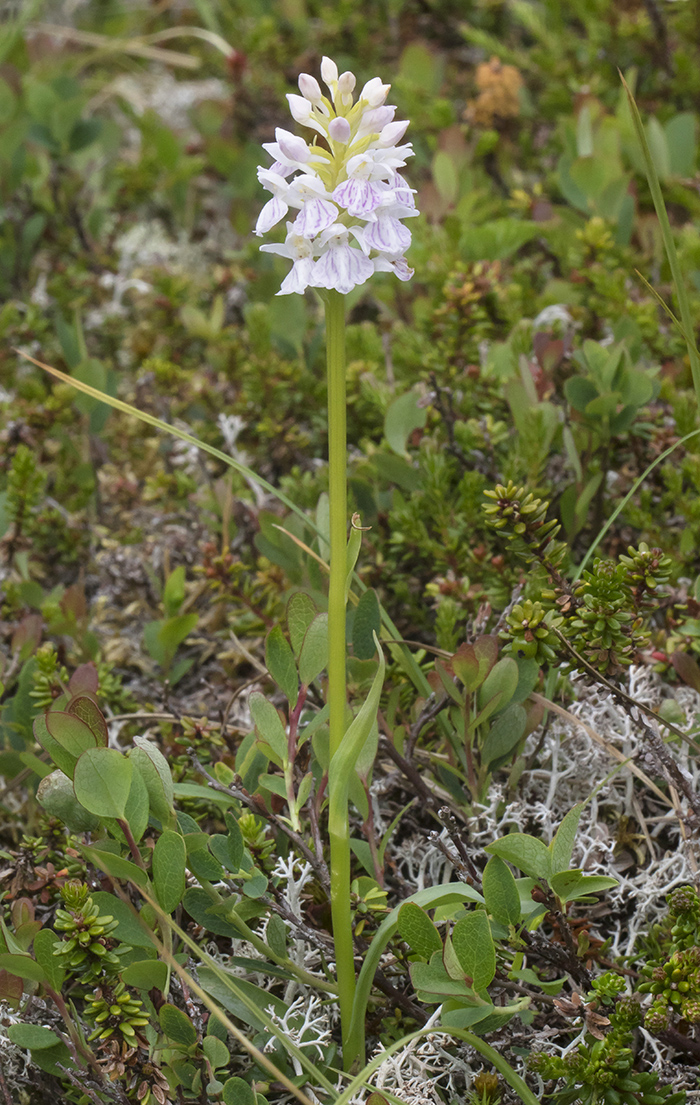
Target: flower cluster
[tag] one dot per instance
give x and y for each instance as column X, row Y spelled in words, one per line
column 348, row 195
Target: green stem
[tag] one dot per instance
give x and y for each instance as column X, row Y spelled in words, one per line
column 337, row 695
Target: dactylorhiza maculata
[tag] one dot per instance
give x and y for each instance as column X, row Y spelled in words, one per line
column 348, row 194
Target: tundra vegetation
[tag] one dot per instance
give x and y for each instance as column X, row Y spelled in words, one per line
column 430, row 834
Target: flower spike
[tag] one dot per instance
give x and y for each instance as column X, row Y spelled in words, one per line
column 348, row 194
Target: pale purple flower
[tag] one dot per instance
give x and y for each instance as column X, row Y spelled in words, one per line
column 340, row 266
column 348, row 193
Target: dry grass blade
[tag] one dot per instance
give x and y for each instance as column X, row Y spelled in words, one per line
column 135, row 46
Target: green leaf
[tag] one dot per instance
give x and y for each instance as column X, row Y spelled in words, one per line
column 474, row 947
column 274, row 784
column 236, row 845
column 204, row 865
column 279, row 660
column 500, row 685
column 276, row 935
column 137, row 806
column 313, row 656
column 419, row 932
column 562, row 846
column 32, row 1036
column 528, row 674
column 237, row 1092
column 366, row 623
column 658, row 147
column 230, row 992
column 169, row 857
column 116, row 866
column 445, row 176
column 153, row 767
column 301, row 611
column 344, row 759
column 44, row 946
column 102, row 781
column 351, row 555
column 199, row 906
column 145, row 974
column 22, row 966
column 216, row 1052
column 504, row 734
column 402, row 418
column 432, row 982
column 164, row 636
column 570, row 888
column 500, row 892
column 681, row 143
column 580, row 392
column 73, row 735
column 174, row 591
column 498, row 239
column 129, row 929
column 269, row 728
column 55, row 794
column 527, row 853
column 177, row 1025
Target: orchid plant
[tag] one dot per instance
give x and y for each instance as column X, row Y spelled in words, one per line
column 350, row 201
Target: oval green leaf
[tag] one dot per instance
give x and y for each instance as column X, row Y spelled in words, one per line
column 102, row 781
column 169, row 858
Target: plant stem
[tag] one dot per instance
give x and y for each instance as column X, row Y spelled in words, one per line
column 338, row 818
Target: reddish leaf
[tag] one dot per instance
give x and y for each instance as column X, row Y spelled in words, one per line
column 687, row 668
column 27, row 635
column 21, row 911
column 11, row 988
column 89, row 712
column 472, row 663
column 84, row 680
column 73, row 602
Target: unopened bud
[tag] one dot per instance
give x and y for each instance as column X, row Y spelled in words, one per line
column 346, row 83
column 310, row 88
column 392, row 133
column 374, row 92
column 291, row 146
column 299, row 107
column 339, row 130
column 329, row 72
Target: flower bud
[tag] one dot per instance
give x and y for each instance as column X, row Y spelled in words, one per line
column 339, row 130
column 300, row 108
column 392, row 133
column 374, row 92
column 346, row 83
column 310, row 88
column 329, row 72
column 291, row 146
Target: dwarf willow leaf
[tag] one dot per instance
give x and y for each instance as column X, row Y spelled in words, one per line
column 474, row 947
column 102, row 781
column 526, row 852
column 301, row 611
column 280, row 663
column 501, row 892
column 269, row 727
column 313, row 656
column 169, row 857
column 562, row 846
